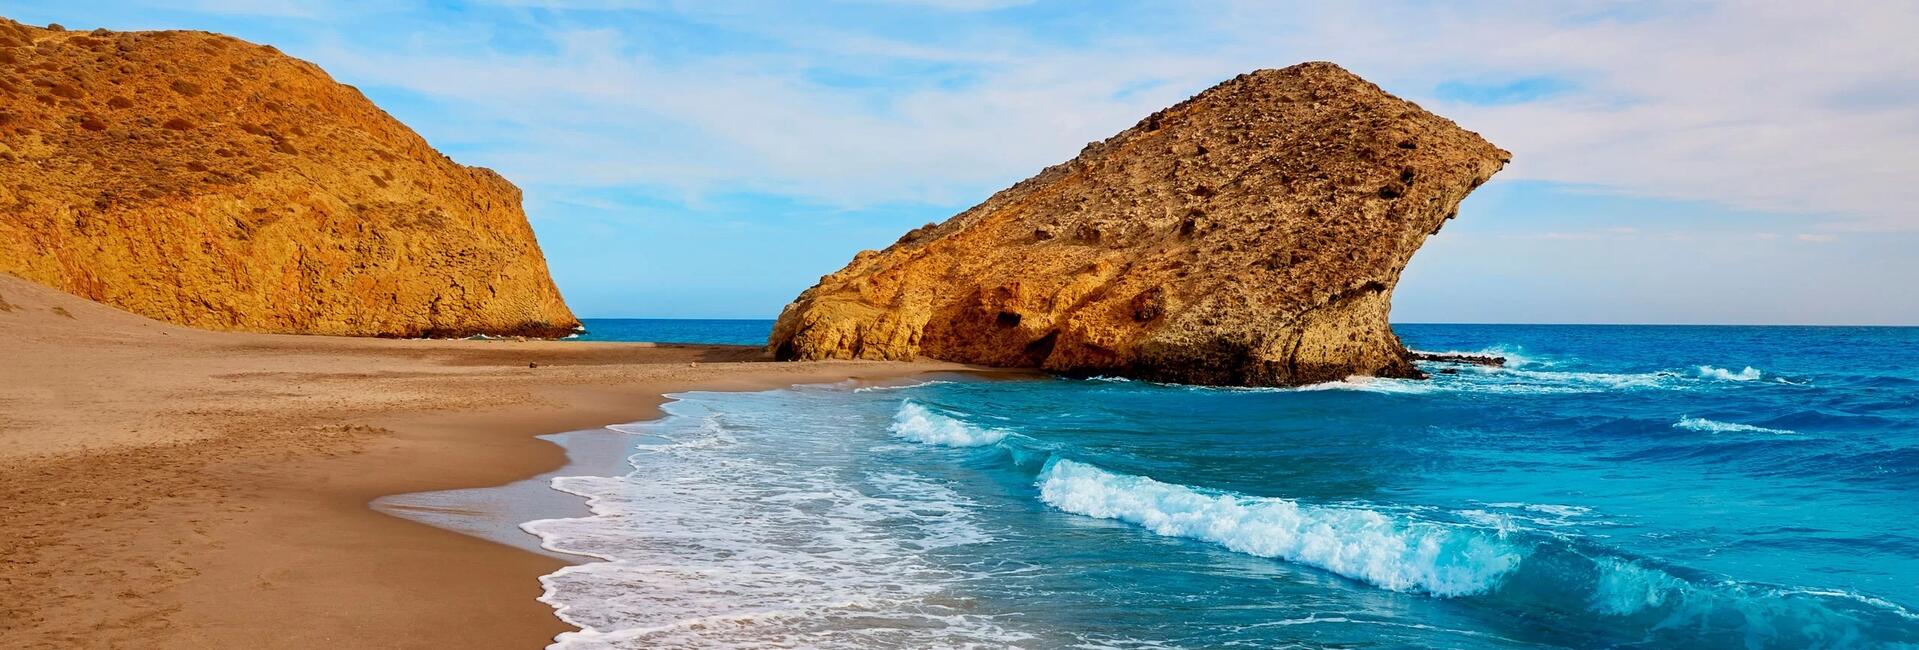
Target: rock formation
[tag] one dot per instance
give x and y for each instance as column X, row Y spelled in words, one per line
column 206, row 181
column 1251, row 235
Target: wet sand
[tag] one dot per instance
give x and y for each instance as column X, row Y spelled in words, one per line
column 162, row 487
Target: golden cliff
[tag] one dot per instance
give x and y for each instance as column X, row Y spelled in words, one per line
column 206, row 181
column 1251, row 235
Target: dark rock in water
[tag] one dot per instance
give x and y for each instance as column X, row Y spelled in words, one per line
column 1250, row 235
column 1450, row 357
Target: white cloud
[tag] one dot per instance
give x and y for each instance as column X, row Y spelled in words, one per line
column 1788, row 107
column 1791, row 107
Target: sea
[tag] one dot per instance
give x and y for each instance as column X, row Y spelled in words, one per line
column 1609, row 487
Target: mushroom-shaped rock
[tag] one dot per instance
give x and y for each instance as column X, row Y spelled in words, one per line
column 1250, row 235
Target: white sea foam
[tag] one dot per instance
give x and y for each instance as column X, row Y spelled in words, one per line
column 1715, row 426
column 1589, row 381
column 920, row 424
column 1511, row 516
column 1491, row 380
column 1375, row 385
column 1722, row 374
column 923, row 384
column 1410, row 556
column 746, row 529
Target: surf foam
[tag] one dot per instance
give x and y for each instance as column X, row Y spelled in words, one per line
column 923, row 384
column 1408, row 556
column 742, row 529
column 920, row 424
column 1715, row 426
column 1722, row 374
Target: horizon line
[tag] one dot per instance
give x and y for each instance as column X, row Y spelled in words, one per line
column 1528, row 324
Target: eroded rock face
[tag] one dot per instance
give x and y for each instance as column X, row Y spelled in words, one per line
column 1251, row 235
column 206, row 181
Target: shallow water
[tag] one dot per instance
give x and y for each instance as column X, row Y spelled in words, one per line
column 1612, row 487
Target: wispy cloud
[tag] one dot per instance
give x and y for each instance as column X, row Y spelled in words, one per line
column 1781, row 107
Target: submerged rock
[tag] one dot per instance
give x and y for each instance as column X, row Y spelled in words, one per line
column 207, row 181
column 1251, row 235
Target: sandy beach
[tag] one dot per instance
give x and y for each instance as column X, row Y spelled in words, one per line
column 165, row 487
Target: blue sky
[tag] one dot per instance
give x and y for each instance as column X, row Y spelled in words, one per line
column 1673, row 163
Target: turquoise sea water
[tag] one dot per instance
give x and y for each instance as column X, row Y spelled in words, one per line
column 1639, row 487
column 706, row 331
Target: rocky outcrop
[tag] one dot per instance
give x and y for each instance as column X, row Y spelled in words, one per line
column 1469, row 358
column 206, row 181
column 1251, row 235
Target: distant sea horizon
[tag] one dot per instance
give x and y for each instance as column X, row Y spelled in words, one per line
column 754, row 331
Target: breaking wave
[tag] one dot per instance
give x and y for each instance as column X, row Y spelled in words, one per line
column 1715, row 426
column 1518, row 567
column 1722, row 374
column 1410, row 556
column 920, row 424
column 1515, row 554
column 923, row 384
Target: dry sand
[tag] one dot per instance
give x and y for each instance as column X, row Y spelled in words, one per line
column 163, row 487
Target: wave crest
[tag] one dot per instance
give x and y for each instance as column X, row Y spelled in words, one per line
column 1715, row 426
column 891, row 387
column 1722, row 374
column 920, row 424
column 1421, row 557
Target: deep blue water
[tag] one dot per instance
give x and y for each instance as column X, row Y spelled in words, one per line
column 1640, row 487
column 708, row 331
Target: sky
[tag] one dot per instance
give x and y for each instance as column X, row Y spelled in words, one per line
column 1678, row 162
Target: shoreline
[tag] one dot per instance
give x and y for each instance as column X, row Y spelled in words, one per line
column 495, row 512
column 165, row 487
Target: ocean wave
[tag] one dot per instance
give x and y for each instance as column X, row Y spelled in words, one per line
column 1675, row 608
column 923, row 384
column 920, row 424
column 1410, row 556
column 1715, row 426
column 1508, row 517
column 1508, row 381
column 1374, row 385
column 1562, row 381
column 1748, row 374
column 1525, row 570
